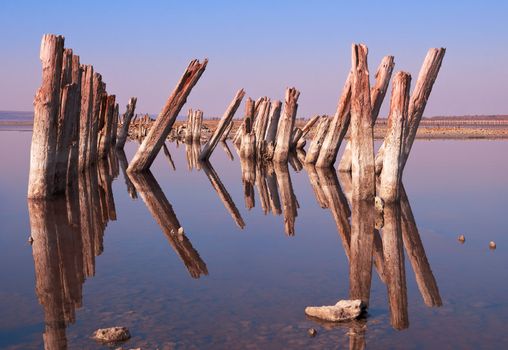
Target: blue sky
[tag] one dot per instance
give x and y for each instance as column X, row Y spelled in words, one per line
column 142, row 47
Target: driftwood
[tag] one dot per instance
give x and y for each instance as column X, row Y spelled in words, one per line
column 222, row 126
column 46, row 107
column 286, row 124
column 392, row 160
column 377, row 95
column 317, row 142
column 127, row 117
column 419, row 97
column 160, row 129
column 362, row 137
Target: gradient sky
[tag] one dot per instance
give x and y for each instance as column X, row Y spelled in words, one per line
column 142, row 47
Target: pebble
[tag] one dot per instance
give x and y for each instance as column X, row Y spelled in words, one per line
column 462, row 238
column 312, row 332
column 492, row 245
column 112, row 335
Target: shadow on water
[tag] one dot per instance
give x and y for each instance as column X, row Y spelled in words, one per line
column 68, row 234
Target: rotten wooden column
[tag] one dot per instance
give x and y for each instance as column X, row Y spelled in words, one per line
column 99, row 102
column 271, row 129
column 377, row 95
column 127, row 117
column 223, row 125
column 392, row 160
column 105, row 134
column 419, row 97
column 85, row 117
column 286, row 125
column 68, row 120
column 46, row 108
column 261, row 125
column 362, row 136
column 160, row 129
column 248, row 138
column 317, row 142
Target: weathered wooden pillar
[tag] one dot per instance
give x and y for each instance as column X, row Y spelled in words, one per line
column 317, row 142
column 223, row 124
column 99, row 98
column 105, row 136
column 337, row 129
column 261, row 125
column 392, row 161
column 248, row 138
column 286, row 124
column 197, row 119
column 377, row 95
column 189, row 126
column 127, row 117
column 271, row 129
column 362, row 136
column 68, row 120
column 160, row 129
column 303, row 131
column 225, row 135
column 85, row 117
column 419, row 97
column 114, row 127
column 46, row 107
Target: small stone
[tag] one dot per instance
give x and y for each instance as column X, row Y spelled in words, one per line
column 112, row 335
column 312, row 332
column 462, row 238
column 30, row 240
column 379, row 204
column 492, row 245
column 342, row 311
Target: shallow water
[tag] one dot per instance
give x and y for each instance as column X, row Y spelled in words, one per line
column 221, row 286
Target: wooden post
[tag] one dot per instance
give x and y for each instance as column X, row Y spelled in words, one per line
column 337, row 129
column 286, row 124
column 271, row 129
column 317, row 142
column 261, row 125
column 222, row 126
column 105, row 136
column 114, row 127
column 189, row 127
column 68, row 120
column 85, row 116
column 248, row 138
column 46, row 107
column 197, row 119
column 99, row 98
column 419, row 97
column 160, row 129
column 124, row 131
column 225, row 135
column 362, row 137
column 392, row 160
column 303, row 131
column 377, row 95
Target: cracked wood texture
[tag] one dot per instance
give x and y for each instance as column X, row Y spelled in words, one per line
column 286, row 125
column 160, row 129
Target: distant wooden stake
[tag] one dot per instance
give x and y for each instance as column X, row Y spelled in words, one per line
column 377, row 95
column 362, row 137
column 127, row 117
column 46, row 106
column 161, row 127
column 419, row 97
column 286, row 124
column 222, row 126
column 393, row 155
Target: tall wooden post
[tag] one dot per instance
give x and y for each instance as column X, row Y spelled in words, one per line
column 286, row 124
column 248, row 138
column 105, row 136
column 46, row 107
column 99, row 91
column 392, row 160
column 223, row 124
column 85, row 117
column 127, row 117
column 271, row 129
column 160, row 129
column 362, row 137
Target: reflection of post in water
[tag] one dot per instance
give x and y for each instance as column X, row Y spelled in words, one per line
column 106, row 190
column 317, row 187
column 163, row 213
column 394, row 266
column 262, row 187
column 224, row 196
column 273, row 192
column 416, row 253
column 287, row 196
column 168, row 155
column 122, row 159
column 248, row 166
column 362, row 240
column 226, row 149
column 295, row 162
column 192, row 151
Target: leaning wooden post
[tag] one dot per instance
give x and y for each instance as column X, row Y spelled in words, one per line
column 419, row 97
column 105, row 137
column 303, row 131
column 392, row 160
column 223, row 124
column 377, row 95
column 337, row 129
column 362, row 138
column 127, row 117
column 286, row 125
column 317, row 142
column 160, row 129
column 46, row 106
column 225, row 135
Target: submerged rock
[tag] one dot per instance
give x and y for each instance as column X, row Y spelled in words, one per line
column 342, row 311
column 492, row 245
column 112, row 335
column 312, row 332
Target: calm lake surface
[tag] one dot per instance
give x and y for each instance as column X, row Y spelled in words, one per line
column 113, row 260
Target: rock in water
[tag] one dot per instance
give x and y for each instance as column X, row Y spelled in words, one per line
column 342, row 311
column 112, row 335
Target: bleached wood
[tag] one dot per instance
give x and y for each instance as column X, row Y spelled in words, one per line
column 317, row 141
column 303, row 131
column 127, row 117
column 271, row 129
column 105, row 134
column 285, row 127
